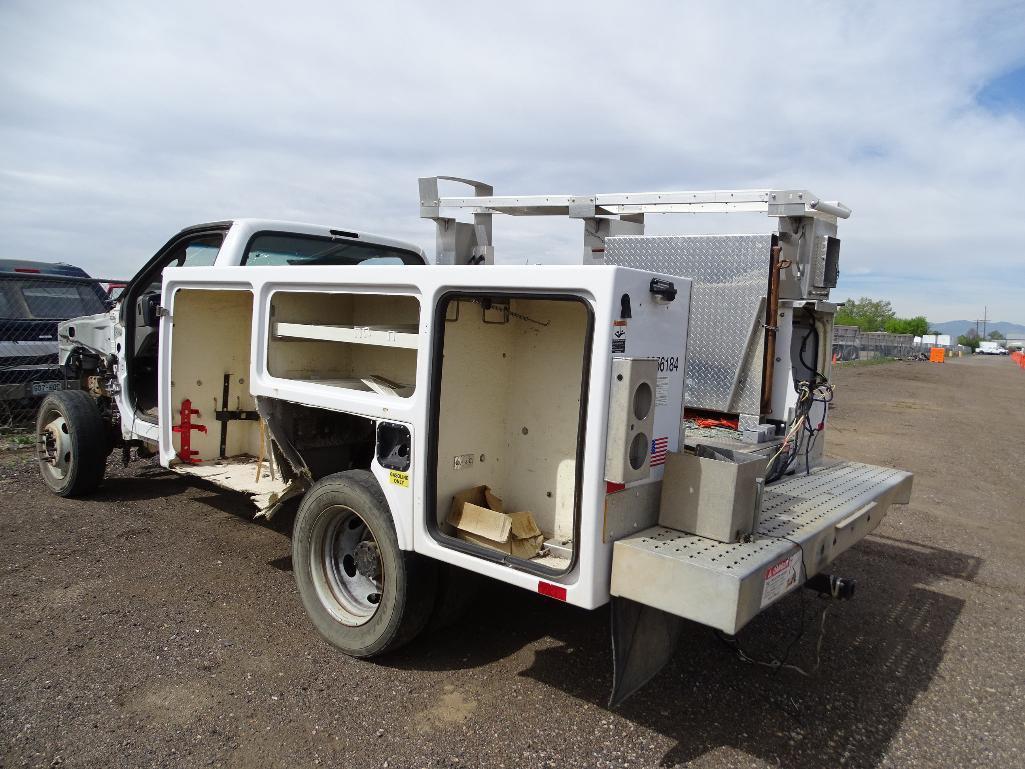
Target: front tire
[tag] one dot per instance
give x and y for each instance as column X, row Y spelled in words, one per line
column 72, row 443
column 363, row 594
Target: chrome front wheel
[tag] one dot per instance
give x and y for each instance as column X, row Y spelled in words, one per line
column 54, row 443
column 71, row 443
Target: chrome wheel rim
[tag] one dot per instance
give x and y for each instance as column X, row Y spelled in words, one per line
column 54, row 447
column 346, row 565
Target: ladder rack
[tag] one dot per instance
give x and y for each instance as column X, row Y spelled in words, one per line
column 465, row 243
column 772, row 202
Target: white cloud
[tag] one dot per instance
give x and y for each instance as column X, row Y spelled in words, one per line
column 125, row 122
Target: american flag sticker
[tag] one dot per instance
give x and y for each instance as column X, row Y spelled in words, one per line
column 659, row 449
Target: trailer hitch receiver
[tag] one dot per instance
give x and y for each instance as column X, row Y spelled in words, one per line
column 840, row 588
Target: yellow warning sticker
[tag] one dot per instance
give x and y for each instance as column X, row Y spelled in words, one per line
column 399, row 479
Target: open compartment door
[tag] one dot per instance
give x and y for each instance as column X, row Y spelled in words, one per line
column 210, row 425
column 509, row 405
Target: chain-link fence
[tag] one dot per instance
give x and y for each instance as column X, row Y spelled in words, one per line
column 32, row 303
column 882, row 344
column 851, row 343
column 846, row 342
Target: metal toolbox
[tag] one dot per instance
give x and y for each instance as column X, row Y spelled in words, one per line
column 714, row 493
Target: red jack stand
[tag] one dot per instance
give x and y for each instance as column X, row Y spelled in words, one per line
column 185, row 430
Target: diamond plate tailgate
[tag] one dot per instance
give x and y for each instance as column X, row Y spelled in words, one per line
column 806, row 522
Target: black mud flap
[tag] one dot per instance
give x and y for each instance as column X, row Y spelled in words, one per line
column 643, row 640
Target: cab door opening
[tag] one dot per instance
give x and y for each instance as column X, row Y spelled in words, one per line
column 140, row 315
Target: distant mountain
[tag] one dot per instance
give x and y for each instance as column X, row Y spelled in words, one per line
column 958, row 327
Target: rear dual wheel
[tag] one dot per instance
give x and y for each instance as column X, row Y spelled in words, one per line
column 363, row 594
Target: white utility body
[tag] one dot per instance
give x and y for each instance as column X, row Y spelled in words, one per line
column 660, row 380
column 530, row 450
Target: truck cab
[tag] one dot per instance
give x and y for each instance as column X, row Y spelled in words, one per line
column 120, row 347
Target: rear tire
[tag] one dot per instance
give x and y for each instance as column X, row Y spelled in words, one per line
column 72, row 443
column 363, row 594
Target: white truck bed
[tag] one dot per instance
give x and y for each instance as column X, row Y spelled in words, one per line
column 805, row 518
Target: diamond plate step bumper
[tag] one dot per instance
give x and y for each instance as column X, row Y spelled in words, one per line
column 806, row 522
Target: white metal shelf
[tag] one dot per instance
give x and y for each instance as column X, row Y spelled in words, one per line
column 383, row 336
column 373, row 383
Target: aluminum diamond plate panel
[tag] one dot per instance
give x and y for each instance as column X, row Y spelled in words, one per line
column 806, row 521
column 730, row 273
column 794, row 512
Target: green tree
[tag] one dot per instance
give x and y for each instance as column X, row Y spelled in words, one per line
column 969, row 339
column 996, row 335
column 865, row 313
column 878, row 315
column 917, row 325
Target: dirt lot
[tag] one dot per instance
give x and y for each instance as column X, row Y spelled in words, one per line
column 154, row 625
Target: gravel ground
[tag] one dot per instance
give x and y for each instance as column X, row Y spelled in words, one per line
column 155, row 625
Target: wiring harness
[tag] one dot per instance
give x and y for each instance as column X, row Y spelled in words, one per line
column 802, row 432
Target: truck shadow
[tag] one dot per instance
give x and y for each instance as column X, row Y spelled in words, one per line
column 149, row 483
column 879, row 653
column 242, row 510
column 156, row 482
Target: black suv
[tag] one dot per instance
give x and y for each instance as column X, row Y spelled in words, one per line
column 34, row 298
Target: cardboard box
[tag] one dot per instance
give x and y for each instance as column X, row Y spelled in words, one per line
column 479, row 516
column 716, row 496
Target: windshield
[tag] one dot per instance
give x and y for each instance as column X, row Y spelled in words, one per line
column 278, row 249
column 32, row 299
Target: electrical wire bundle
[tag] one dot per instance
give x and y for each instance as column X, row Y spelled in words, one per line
column 817, row 390
column 783, row 461
column 784, row 458
column 823, row 394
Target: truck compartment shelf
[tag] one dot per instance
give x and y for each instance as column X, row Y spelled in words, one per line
column 374, row 384
column 380, row 335
column 806, row 521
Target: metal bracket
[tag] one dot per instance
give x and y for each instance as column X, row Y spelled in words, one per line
column 227, row 415
column 494, row 305
column 231, row 416
column 582, row 207
column 456, row 242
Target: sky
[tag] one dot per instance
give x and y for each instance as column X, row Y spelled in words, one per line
column 121, row 123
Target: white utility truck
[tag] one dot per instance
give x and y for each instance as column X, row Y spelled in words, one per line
column 643, row 425
column 987, row 347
